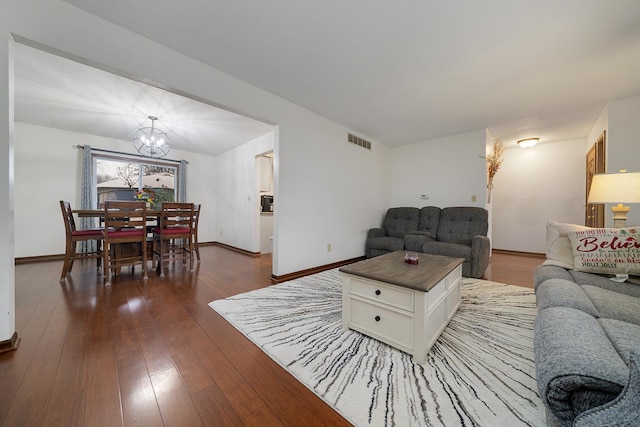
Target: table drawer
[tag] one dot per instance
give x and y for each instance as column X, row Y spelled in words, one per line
column 385, row 324
column 392, row 295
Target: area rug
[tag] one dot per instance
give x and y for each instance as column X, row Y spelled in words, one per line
column 480, row 372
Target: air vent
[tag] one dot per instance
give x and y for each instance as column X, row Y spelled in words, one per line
column 359, row 141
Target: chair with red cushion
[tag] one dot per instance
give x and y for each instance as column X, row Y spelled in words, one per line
column 125, row 236
column 174, row 234
column 73, row 236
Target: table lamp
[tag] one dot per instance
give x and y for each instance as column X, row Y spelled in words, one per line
column 616, row 188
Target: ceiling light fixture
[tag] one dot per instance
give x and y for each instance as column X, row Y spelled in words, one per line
column 528, row 142
column 151, row 141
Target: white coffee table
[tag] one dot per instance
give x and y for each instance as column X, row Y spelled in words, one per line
column 405, row 306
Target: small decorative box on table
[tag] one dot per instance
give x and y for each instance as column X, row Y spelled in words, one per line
column 403, row 305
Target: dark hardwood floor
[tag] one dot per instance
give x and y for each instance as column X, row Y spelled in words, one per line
column 153, row 353
column 513, row 268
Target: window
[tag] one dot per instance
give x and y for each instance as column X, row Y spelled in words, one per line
column 122, row 178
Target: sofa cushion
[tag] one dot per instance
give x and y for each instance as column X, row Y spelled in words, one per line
column 604, row 281
column 399, row 221
column 614, row 305
column 413, row 241
column 447, row 249
column 606, row 250
column 460, row 224
column 577, row 367
column 624, row 336
column 544, row 272
column 558, row 250
column 564, row 293
column 429, row 219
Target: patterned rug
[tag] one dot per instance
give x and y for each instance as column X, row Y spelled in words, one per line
column 480, row 372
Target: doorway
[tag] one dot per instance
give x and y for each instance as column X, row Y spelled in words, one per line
column 264, row 172
column 594, row 212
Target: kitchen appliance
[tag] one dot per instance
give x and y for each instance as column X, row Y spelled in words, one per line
column 266, row 203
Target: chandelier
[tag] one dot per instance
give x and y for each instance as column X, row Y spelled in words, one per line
column 151, row 141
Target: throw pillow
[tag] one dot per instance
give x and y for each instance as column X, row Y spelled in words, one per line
column 606, row 250
column 558, row 245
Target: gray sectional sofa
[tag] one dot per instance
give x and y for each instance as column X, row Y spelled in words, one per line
column 459, row 232
column 587, row 348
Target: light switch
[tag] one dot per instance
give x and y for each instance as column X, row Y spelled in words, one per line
column 474, row 198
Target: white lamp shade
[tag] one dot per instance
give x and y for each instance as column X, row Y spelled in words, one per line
column 615, row 188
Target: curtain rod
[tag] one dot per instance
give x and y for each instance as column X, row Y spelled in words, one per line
column 127, row 154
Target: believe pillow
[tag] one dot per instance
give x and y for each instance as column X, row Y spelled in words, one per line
column 558, row 245
column 606, row 250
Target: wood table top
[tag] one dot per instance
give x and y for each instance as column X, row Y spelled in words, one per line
column 391, row 268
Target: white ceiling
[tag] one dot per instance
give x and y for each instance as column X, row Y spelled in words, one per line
column 398, row 71
column 57, row 92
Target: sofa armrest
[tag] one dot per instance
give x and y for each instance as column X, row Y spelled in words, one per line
column 376, row 232
column 480, row 255
column 373, row 233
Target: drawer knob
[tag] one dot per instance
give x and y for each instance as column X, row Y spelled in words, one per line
column 377, row 318
column 378, row 292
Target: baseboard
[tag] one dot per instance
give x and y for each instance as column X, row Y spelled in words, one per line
column 520, row 253
column 41, row 258
column 11, row 344
column 233, row 248
column 295, row 275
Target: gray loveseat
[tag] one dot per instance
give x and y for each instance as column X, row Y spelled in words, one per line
column 587, row 348
column 459, row 232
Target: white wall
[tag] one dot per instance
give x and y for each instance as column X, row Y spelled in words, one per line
column 624, row 135
column 450, row 170
column 534, row 185
column 602, row 124
column 238, row 195
column 7, row 266
column 621, row 120
column 48, row 169
column 328, row 191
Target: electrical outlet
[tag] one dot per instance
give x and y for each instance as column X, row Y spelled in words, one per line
column 474, row 198
column 328, row 247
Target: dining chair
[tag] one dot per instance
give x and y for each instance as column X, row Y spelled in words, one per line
column 196, row 214
column 125, row 236
column 73, row 236
column 174, row 234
